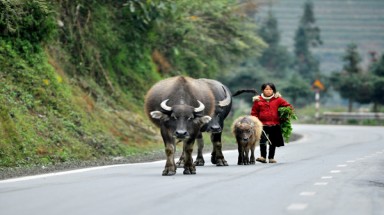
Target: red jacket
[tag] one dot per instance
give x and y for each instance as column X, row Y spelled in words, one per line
column 267, row 112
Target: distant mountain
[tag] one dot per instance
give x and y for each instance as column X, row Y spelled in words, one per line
column 341, row 22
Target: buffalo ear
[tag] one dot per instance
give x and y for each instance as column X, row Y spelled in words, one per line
column 159, row 115
column 205, row 119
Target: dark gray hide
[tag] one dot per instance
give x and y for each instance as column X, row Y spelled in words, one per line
column 179, row 106
column 223, row 105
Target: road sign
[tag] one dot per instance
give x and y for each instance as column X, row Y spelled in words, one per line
column 318, row 85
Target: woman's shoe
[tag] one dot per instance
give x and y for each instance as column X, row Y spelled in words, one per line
column 261, row 160
column 272, row 161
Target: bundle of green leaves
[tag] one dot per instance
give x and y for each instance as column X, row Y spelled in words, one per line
column 286, row 114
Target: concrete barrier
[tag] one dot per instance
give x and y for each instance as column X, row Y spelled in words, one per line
column 338, row 117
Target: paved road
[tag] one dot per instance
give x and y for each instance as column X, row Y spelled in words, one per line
column 332, row 170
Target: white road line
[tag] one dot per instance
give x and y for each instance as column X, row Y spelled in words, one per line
column 351, row 161
column 342, row 165
column 326, row 177
column 320, row 183
column 307, row 193
column 297, row 206
column 335, row 171
column 25, row 178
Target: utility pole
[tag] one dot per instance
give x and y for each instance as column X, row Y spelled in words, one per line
column 317, row 105
column 317, row 86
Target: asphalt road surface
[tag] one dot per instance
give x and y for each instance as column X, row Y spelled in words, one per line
column 331, row 170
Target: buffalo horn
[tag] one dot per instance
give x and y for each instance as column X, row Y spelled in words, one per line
column 165, row 106
column 200, row 108
column 226, row 101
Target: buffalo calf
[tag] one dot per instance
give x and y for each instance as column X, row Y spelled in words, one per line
column 247, row 130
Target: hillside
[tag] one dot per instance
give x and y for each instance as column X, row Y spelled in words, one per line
column 341, row 22
column 74, row 74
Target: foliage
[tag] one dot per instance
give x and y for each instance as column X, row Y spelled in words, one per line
column 350, row 80
column 165, row 38
column 275, row 58
column 307, row 36
column 378, row 68
column 74, row 73
column 298, row 90
column 352, row 59
column 206, row 37
column 286, row 114
column 378, row 91
column 30, row 20
column 248, row 75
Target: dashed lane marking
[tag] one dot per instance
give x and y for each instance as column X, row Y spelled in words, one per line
column 326, row 177
column 320, row 183
column 335, row 171
column 297, row 206
column 307, row 193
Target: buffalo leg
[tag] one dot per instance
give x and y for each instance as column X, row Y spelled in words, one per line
column 240, row 160
column 217, row 153
column 189, row 166
column 180, row 163
column 252, row 159
column 200, row 146
column 170, row 148
column 246, row 155
column 199, row 159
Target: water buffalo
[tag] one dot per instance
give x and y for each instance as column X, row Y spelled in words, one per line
column 179, row 106
column 247, row 130
column 223, row 105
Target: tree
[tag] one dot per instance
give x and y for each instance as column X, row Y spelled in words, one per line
column 378, row 83
column 204, row 38
column 352, row 60
column 349, row 81
column 378, row 67
column 307, row 36
column 298, row 90
column 275, row 58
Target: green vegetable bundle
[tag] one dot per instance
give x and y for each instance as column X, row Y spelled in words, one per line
column 286, row 114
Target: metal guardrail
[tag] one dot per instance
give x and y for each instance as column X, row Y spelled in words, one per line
column 344, row 116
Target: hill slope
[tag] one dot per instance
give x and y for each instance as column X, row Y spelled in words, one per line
column 341, row 22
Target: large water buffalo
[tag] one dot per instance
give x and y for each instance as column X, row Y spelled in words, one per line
column 180, row 106
column 223, row 105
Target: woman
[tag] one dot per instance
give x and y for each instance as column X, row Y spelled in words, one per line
column 265, row 107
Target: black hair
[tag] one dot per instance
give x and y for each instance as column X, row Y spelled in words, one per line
column 271, row 85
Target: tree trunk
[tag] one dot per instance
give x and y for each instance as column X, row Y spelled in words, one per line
column 350, row 104
column 375, row 107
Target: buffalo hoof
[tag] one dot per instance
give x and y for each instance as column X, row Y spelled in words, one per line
column 213, row 160
column 189, row 171
column 169, row 171
column 199, row 162
column 221, row 162
column 180, row 163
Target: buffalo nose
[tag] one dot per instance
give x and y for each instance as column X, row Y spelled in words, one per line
column 215, row 129
column 181, row 133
